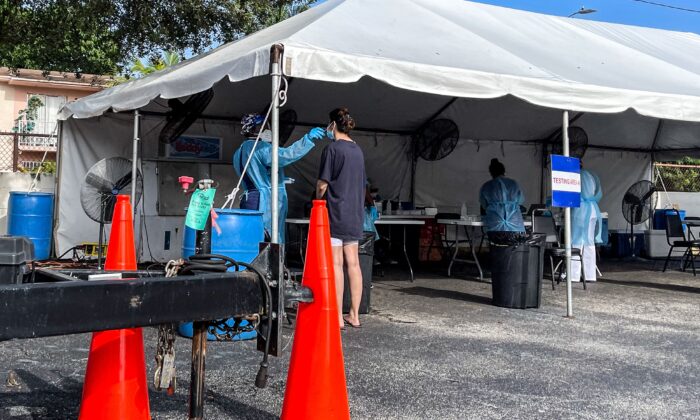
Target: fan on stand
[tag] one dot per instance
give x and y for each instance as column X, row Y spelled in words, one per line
column 578, row 143
column 637, row 204
column 98, row 192
column 183, row 115
column 436, row 140
column 433, row 141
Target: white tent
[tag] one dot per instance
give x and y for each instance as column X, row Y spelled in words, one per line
column 504, row 76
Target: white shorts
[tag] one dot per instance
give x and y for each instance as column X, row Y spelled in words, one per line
column 340, row 242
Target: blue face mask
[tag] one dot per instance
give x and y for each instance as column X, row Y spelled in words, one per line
column 329, row 132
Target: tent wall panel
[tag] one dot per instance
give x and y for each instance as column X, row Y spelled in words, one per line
column 617, row 172
column 457, row 178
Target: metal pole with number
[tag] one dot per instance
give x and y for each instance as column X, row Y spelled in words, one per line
column 275, row 54
column 567, row 222
column 134, row 160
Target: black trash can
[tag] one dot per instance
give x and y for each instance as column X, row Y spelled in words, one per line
column 366, row 262
column 516, row 273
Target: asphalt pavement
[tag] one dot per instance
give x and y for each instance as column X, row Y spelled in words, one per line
column 438, row 349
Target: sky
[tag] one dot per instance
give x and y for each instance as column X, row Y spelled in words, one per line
column 629, row 12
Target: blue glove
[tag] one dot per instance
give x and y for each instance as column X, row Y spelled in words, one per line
column 316, row 134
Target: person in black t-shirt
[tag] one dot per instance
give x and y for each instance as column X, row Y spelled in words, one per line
column 342, row 180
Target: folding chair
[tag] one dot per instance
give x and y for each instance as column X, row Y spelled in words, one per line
column 676, row 238
column 543, row 223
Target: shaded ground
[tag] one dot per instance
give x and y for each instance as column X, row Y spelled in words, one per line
column 437, row 349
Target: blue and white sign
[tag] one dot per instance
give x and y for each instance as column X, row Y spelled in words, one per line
column 195, row 148
column 566, row 181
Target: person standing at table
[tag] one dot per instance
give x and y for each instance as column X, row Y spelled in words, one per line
column 587, row 226
column 341, row 180
column 501, row 198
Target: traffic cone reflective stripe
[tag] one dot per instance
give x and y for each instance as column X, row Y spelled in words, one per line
column 115, row 378
column 316, row 387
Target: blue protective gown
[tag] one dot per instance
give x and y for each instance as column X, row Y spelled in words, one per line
column 501, row 198
column 591, row 193
column 257, row 180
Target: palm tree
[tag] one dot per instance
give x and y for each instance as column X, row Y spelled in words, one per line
column 154, row 64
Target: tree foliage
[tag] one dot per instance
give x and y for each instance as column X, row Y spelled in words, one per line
column 682, row 179
column 102, row 36
column 26, row 118
column 143, row 68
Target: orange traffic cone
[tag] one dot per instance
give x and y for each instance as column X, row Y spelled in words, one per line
column 316, row 386
column 115, row 378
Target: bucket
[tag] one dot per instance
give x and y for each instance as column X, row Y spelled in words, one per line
column 241, row 233
column 30, row 214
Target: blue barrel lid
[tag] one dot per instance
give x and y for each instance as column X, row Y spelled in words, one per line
column 36, row 193
column 244, row 212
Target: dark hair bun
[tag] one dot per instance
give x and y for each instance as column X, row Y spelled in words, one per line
column 496, row 168
column 342, row 119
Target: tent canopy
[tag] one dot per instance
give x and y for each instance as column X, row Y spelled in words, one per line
column 502, row 75
column 434, row 51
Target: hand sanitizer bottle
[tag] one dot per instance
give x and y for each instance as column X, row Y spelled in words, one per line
column 463, row 212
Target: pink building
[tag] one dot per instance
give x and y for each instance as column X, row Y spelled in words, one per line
column 54, row 89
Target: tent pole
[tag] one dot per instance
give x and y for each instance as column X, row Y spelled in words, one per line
column 134, row 161
column 567, row 222
column 275, row 53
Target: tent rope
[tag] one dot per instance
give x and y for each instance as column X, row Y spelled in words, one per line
column 41, row 165
column 660, row 179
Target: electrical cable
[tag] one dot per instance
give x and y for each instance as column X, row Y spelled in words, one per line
column 143, row 202
column 653, row 3
column 69, row 250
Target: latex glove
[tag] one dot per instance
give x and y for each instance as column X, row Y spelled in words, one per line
column 316, row 134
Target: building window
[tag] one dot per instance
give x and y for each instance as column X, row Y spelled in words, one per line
column 47, row 114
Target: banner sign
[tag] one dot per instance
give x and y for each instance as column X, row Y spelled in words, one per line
column 566, row 181
column 199, row 208
column 195, row 147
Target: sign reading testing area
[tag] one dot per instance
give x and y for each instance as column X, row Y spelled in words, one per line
column 566, row 181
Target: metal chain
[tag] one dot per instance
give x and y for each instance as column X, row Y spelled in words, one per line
column 165, row 350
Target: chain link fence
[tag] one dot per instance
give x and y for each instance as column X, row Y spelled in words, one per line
column 680, row 176
column 27, row 152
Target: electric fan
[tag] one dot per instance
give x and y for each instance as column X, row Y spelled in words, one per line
column 578, row 143
column 183, row 115
column 98, row 192
column 637, row 204
column 433, row 141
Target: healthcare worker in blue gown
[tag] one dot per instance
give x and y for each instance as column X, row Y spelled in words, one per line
column 586, row 226
column 501, row 198
column 257, row 182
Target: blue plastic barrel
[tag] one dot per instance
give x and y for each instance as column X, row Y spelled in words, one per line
column 660, row 217
column 31, row 215
column 241, row 233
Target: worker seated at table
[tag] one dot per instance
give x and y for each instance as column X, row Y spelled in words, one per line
column 501, row 198
column 258, row 158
